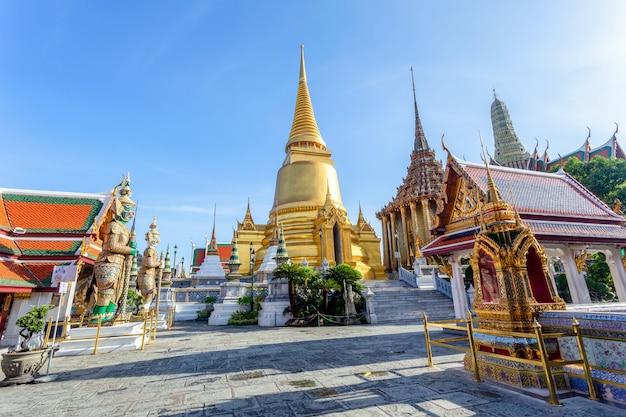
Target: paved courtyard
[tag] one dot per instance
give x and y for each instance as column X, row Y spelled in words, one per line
column 199, row 370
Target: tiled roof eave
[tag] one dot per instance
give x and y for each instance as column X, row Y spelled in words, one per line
column 438, row 246
column 564, row 218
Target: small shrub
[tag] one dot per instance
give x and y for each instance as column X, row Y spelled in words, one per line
column 203, row 314
column 240, row 318
column 209, row 299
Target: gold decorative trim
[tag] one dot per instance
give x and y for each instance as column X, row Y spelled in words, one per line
column 580, row 261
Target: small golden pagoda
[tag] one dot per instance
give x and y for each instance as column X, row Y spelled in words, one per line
column 510, row 269
column 308, row 205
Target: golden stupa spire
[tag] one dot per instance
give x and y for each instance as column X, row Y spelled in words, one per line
column 304, row 130
column 493, row 194
column 213, row 245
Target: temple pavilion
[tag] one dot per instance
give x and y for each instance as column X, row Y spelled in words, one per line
column 308, row 205
column 509, row 151
column 38, row 231
column 567, row 220
column 407, row 219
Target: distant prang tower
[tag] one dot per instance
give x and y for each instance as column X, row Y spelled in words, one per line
column 308, row 205
column 509, row 151
column 407, row 219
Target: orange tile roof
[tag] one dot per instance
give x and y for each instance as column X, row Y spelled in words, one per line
column 4, row 220
column 224, row 251
column 16, row 275
column 42, row 271
column 49, row 247
column 46, row 216
column 7, row 245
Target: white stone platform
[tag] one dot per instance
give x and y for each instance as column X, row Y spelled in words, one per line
column 81, row 340
column 188, row 311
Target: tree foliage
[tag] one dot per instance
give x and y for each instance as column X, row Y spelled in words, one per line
column 32, row 323
column 599, row 279
column 311, row 292
column 606, row 178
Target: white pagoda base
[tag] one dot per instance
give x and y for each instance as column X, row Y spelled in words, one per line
column 227, row 303
column 211, row 267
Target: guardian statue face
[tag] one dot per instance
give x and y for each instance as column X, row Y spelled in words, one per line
column 125, row 213
column 153, row 238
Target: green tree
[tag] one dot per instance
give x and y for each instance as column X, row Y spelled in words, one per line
column 605, row 178
column 599, row 279
column 296, row 276
column 345, row 276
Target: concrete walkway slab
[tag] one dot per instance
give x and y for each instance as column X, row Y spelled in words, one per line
column 200, row 370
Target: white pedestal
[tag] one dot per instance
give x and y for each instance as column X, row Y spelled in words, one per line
column 227, row 303
column 271, row 314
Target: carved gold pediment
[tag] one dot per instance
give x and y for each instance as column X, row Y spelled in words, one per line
column 466, row 203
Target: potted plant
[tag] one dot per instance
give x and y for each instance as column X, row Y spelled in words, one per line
column 22, row 365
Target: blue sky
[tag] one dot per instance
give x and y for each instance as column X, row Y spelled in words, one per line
column 195, row 98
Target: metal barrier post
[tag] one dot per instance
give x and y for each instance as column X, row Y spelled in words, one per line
column 149, row 319
column 65, row 324
column 470, row 338
column 145, row 324
column 156, row 324
column 47, row 337
column 95, row 346
column 583, row 356
column 554, row 399
column 428, row 348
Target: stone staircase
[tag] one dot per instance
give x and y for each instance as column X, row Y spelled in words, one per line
column 396, row 301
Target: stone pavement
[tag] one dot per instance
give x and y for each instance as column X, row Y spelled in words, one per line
column 198, row 370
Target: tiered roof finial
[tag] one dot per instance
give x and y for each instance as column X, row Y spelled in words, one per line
column 233, row 261
column 281, row 251
column 493, row 194
column 304, row 129
column 213, row 244
column 421, row 144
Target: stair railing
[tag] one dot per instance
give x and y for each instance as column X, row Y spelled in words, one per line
column 408, row 276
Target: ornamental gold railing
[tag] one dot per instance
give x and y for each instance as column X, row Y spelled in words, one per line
column 543, row 361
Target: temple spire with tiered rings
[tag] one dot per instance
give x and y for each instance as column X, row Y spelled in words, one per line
column 406, row 220
column 508, row 149
column 304, row 130
column 421, row 144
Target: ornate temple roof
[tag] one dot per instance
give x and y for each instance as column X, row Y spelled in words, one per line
column 541, row 193
column 424, row 174
column 304, row 130
column 508, row 149
column 41, row 229
column 609, row 149
column 555, row 206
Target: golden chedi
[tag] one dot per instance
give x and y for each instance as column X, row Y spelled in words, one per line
column 308, row 205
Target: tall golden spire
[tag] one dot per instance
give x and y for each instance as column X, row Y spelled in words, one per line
column 212, row 250
column 493, row 194
column 304, row 130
